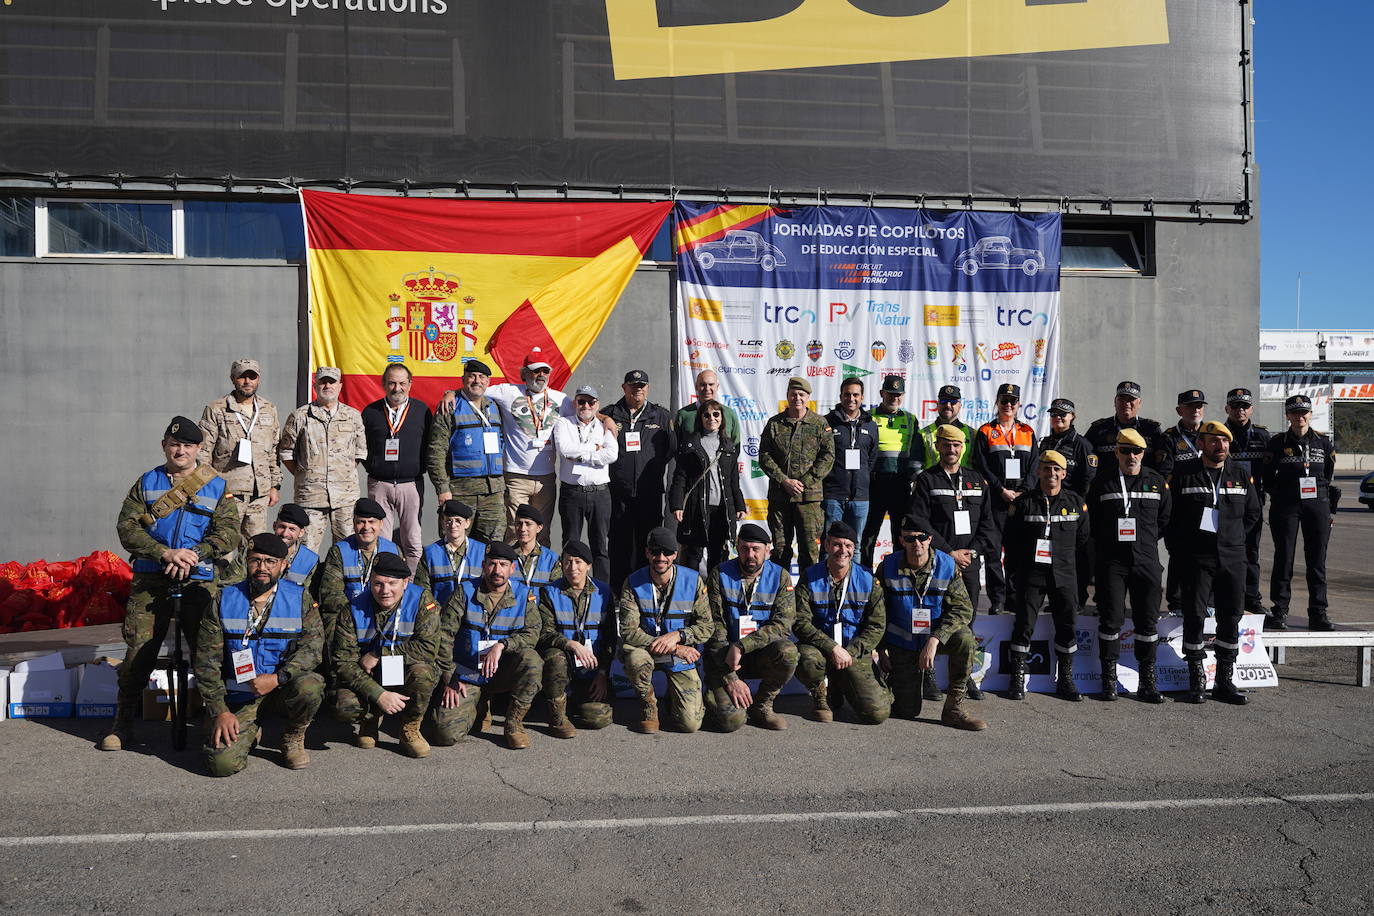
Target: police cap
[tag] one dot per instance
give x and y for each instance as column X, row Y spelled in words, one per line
column 950, row 393
column 1297, row 402
column 894, row 384
column 1240, row 396
column 1128, row 389
column 1061, row 406
column 1191, row 396
column 1008, row 390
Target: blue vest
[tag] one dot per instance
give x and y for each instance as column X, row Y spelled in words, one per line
column 732, row 594
column 302, row 566
column 816, row 580
column 473, row 627
column 282, row 628
column 900, row 596
column 591, row 633
column 184, row 528
column 679, row 612
column 467, row 456
column 398, row 629
column 443, row 578
column 545, row 569
column 354, row 585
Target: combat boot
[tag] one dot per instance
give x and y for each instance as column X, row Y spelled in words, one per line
column 413, row 744
column 1016, row 687
column 648, row 716
column 1148, row 691
column 1225, row 690
column 121, row 733
column 294, row 754
column 761, row 710
column 954, row 715
column 929, row 689
column 1276, row 619
column 1318, row 622
column 484, row 707
column 368, row 726
column 1064, row 686
column 1109, row 679
column 516, row 736
column 1197, row 681
column 820, row 699
column 974, row 691
column 559, row 725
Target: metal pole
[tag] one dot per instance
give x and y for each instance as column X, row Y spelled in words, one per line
column 1299, row 316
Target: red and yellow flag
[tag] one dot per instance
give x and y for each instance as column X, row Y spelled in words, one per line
column 430, row 283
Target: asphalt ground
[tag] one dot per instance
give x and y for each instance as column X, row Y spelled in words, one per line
column 1058, row 807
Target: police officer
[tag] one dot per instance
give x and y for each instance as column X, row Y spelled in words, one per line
column 1247, row 450
column 464, row 452
column 796, row 451
column 176, row 521
column 301, row 562
column 644, row 434
column 454, row 557
column 1213, row 508
column 1082, row 462
column 1003, row 451
column 1101, row 434
column 949, row 401
column 1298, row 468
column 577, row 643
column 1179, row 452
column 752, row 609
column 1046, row 527
column 899, row 458
column 1129, row 507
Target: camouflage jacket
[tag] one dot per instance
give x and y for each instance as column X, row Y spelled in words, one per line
column 869, row 634
column 221, row 424
column 303, row 656
column 697, row 631
column 803, row 449
column 779, row 625
column 329, row 581
column 326, row 451
column 222, row 539
column 436, row 458
column 420, row 649
column 454, row 617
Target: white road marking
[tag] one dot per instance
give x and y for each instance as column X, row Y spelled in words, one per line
column 691, row 820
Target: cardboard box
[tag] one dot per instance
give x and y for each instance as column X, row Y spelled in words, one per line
column 5, row 692
column 42, row 688
column 157, row 702
column 98, row 694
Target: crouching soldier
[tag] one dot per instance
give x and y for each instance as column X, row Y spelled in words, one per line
column 578, row 644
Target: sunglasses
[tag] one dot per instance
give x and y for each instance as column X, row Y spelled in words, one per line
column 585, row 402
column 659, row 552
column 915, row 538
column 1012, row 401
column 1130, row 450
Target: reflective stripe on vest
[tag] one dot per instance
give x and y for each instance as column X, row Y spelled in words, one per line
column 443, row 578
column 565, row 614
column 467, row 455
column 183, row 529
column 680, row 604
column 474, row 627
column 545, row 569
column 282, row 628
column 302, row 566
column 761, row 602
column 899, row 597
column 823, row 613
column 395, row 631
column 353, row 563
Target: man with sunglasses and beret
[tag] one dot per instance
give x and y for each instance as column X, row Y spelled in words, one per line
column 1003, row 451
column 1247, row 449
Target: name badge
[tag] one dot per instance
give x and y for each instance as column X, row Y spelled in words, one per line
column 851, row 459
column 577, row 662
column 543, row 437
column 1042, row 550
column 920, row 620
column 244, row 670
column 963, row 523
column 665, row 661
column 244, row 452
column 747, row 625
column 837, row 633
column 1209, row 520
column 632, row 441
column 491, row 442
column 1125, row 529
column 1307, row 487
column 484, row 645
column 391, row 450
column 1012, row 470
column 393, row 670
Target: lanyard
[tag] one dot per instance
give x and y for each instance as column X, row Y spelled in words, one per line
column 1125, row 494
column 396, row 417
column 457, row 558
column 634, row 417
column 477, row 409
column 581, row 608
column 749, row 586
column 585, row 431
column 1047, row 513
column 367, row 563
column 527, row 564
column 661, row 608
column 255, row 625
column 246, row 424
column 1186, row 441
column 1306, row 448
column 957, row 483
column 395, row 629
column 537, row 412
column 1216, row 487
column 844, row 594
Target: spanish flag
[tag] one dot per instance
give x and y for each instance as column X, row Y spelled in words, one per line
column 431, row 283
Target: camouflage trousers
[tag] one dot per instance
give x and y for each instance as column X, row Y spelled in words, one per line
column 773, row 665
column 298, row 700
column 516, row 674
column 905, row 679
column 419, row 684
column 682, row 709
column 338, row 521
column 559, row 675
column 857, row 684
column 805, row 522
column 146, row 621
column 489, row 518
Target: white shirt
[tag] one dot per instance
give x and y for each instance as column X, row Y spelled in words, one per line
column 585, row 451
column 528, row 425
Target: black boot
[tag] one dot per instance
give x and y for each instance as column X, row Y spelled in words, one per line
column 1064, row 687
column 1197, row 681
column 974, row 692
column 1318, row 622
column 1016, row 690
column 1148, row 691
column 1224, row 690
column 1276, row 619
column 929, row 689
column 1108, row 679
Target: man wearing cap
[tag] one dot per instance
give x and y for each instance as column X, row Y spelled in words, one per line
column 1248, row 449
column 348, row 566
column 256, row 654
column 586, row 448
column 301, row 562
column 396, row 427
column 535, row 564
column 1129, row 507
column 176, row 521
column 949, row 502
column 1180, row 454
column 528, row 412
column 578, row 644
column 752, row 610
column 321, row 444
column 796, row 451
column 465, row 449
column 949, row 401
column 240, row 443
column 1213, row 507
column 840, row 622
column 1101, row 434
column 1046, row 528
column 646, row 444
column 1298, row 469
column 1082, row 465
column 490, row 631
column 844, row 492
column 385, row 648
column 707, row 386
column 899, row 458
column 665, row 616
column 454, row 557
column 1002, row 454
column 928, row 612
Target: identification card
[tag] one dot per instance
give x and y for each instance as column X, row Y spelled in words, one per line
column 244, row 670
column 747, row 625
column 963, row 523
column 1125, row 529
column 1042, row 550
column 491, row 442
column 1209, row 519
column 851, row 459
column 244, row 453
column 543, row 437
column 484, row 645
column 920, row 620
column 1307, row 487
column 837, row 633
column 391, row 450
column 632, row 441
column 1011, row 472
column 577, row 662
column 393, row 670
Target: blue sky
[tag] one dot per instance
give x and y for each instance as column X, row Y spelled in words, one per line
column 1314, row 129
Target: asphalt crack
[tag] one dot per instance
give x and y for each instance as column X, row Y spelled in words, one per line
column 495, row 771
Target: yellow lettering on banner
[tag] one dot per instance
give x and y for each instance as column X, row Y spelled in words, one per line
column 830, row 33
column 941, row 316
column 706, row 309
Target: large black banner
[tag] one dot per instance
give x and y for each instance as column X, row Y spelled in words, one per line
column 1124, row 99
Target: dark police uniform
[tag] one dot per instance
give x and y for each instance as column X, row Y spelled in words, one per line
column 1182, row 454
column 1082, row 465
column 936, row 501
column 646, row 445
column 1247, row 450
column 1297, row 475
column 1101, row 436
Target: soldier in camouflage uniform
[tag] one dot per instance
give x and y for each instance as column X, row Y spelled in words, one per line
column 463, row 453
column 347, row 568
column 176, row 521
column 796, row 451
column 578, row 643
column 322, row 444
column 279, row 624
column 840, row 622
column 392, row 618
column 752, row 609
column 241, row 432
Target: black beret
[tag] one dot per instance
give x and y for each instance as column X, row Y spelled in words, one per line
column 662, row 539
column 579, row 550
column 754, row 534
column 293, row 514
column 368, row 508
column 391, row 566
column 841, row 530
column 269, row 545
column 456, row 508
column 184, row 430
column 525, row 510
column 476, row 365
column 909, row 523
column 500, row 550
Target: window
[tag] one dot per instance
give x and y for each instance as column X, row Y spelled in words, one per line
column 1107, row 246
column 16, row 227
column 244, row 230
column 107, row 228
